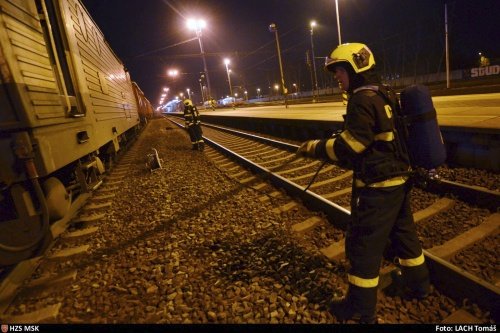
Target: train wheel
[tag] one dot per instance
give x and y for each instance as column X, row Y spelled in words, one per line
column 22, row 237
column 57, row 198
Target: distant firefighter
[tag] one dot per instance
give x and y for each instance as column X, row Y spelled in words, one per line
column 213, row 104
column 192, row 119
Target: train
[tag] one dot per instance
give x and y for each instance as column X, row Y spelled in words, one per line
column 68, row 107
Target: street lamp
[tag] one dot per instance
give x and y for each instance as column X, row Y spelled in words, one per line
column 189, row 93
column 274, row 28
column 315, row 88
column 197, row 26
column 258, row 92
column 246, row 95
column 226, row 62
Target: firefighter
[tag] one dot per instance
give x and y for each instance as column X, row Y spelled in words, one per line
column 192, row 121
column 380, row 203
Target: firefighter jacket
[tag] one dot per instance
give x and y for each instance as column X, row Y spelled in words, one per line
column 368, row 143
column 191, row 115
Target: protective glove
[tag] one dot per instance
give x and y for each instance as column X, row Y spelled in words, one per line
column 307, row 149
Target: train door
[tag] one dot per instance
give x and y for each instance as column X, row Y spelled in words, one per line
column 57, row 46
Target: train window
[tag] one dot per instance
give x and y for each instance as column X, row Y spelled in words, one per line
column 57, row 49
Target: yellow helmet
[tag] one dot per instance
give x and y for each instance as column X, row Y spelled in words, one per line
column 358, row 55
column 188, row 102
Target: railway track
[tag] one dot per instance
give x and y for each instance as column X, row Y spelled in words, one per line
column 456, row 222
column 36, row 295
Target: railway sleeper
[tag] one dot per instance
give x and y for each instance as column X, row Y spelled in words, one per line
column 112, row 183
column 248, row 179
column 109, row 189
column 462, row 316
column 259, row 186
column 10, row 286
column 488, row 227
column 332, row 180
column 307, row 166
column 79, row 234
column 112, row 178
column 286, row 207
column 88, row 218
column 93, row 206
column 230, row 163
column 441, row 205
column 104, row 197
column 308, row 224
column 267, row 197
column 311, row 174
column 47, row 283
column 43, row 316
column 69, row 253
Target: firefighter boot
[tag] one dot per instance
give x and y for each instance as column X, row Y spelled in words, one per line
column 359, row 306
column 201, row 146
column 194, row 146
column 416, row 281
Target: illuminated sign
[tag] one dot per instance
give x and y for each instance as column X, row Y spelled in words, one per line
column 485, row 71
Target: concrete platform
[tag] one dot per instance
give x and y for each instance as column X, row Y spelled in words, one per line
column 478, row 111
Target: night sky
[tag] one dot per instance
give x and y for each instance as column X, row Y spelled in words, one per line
column 406, row 36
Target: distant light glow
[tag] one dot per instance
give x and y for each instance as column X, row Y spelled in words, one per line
column 173, row 72
column 196, row 24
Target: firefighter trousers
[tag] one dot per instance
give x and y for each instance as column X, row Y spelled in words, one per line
column 195, row 134
column 380, row 215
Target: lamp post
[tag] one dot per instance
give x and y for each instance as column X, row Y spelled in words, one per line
column 201, row 92
column 338, row 19
column 258, row 92
column 315, row 88
column 274, row 28
column 189, row 93
column 197, row 26
column 446, row 45
column 226, row 62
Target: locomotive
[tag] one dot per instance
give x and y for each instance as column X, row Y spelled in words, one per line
column 67, row 107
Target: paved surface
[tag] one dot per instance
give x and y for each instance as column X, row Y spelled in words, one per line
column 474, row 111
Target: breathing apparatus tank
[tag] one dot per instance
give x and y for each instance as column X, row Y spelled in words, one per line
column 422, row 135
